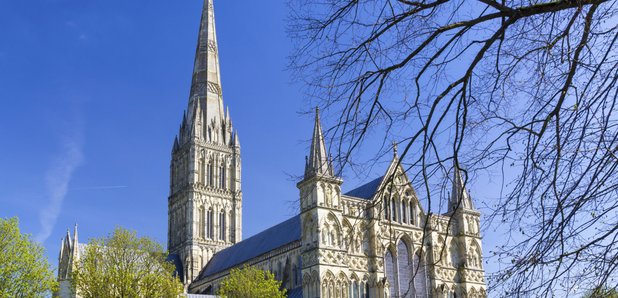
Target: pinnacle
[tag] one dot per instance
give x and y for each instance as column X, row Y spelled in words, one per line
column 318, row 163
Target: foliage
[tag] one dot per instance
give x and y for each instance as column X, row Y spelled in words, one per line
column 123, row 265
column 521, row 94
column 251, row 282
column 602, row 293
column 24, row 271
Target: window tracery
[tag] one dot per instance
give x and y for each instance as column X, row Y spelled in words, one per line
column 406, row 276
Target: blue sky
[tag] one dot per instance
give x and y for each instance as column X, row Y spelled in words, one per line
column 92, row 94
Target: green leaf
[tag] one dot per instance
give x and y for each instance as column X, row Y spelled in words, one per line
column 251, row 282
column 24, row 271
column 124, row 265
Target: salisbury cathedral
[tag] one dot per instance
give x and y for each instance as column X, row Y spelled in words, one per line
column 372, row 241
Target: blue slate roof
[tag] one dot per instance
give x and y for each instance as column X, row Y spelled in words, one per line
column 367, row 190
column 267, row 240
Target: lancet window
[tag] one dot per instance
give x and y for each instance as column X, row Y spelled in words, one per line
column 394, row 211
column 406, row 273
column 201, row 175
column 211, row 174
column 222, row 177
column 201, row 222
column 209, row 223
column 222, row 225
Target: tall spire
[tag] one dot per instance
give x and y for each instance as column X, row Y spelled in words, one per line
column 206, row 141
column 459, row 191
column 206, row 82
column 318, row 162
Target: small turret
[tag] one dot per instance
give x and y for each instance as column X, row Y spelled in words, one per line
column 61, row 250
column 236, row 140
column 68, row 238
column 75, row 239
column 75, row 243
column 460, row 198
column 176, row 145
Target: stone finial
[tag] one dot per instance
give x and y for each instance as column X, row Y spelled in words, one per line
column 395, row 148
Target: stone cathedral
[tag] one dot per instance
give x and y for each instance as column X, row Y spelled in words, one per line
column 374, row 240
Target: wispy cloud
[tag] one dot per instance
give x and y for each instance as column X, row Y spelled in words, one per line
column 57, row 179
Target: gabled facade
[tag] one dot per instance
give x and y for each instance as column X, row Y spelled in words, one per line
column 373, row 241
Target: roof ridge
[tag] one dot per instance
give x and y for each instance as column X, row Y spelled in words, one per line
column 366, row 190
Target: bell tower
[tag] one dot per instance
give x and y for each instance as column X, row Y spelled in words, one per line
column 205, row 200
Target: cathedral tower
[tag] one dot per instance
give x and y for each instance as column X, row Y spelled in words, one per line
column 321, row 213
column 205, row 201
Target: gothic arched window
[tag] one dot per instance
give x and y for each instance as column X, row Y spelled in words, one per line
column 406, row 277
column 201, row 223
column 475, row 256
column 299, row 271
column 211, row 174
column 366, row 290
column 355, row 290
column 420, row 276
column 454, row 252
column 394, row 210
column 389, row 271
column 222, row 177
column 405, row 269
column 201, row 169
column 222, row 225
column 209, row 223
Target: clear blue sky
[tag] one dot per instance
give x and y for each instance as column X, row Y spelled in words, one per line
column 92, row 94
